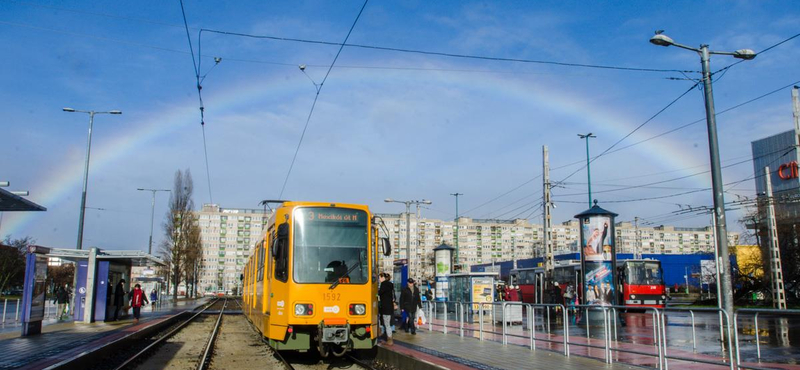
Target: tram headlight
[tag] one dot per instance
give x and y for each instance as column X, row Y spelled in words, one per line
column 633, row 296
column 303, row 309
column 358, row 309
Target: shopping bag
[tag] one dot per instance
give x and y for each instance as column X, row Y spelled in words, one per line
column 421, row 317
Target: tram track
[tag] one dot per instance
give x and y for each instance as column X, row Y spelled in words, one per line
column 151, row 353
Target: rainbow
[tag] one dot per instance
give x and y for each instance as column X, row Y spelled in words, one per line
column 181, row 116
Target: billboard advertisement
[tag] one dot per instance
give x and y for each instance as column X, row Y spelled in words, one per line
column 598, row 255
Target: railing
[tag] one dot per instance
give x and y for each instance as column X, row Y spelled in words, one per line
column 731, row 349
column 612, row 313
column 755, row 312
column 463, row 312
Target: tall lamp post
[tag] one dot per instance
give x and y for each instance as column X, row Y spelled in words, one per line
column 588, row 162
column 91, row 114
column 455, row 258
column 408, row 204
column 713, row 147
column 152, row 214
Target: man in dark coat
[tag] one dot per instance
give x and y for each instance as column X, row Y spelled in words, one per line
column 386, row 309
column 119, row 298
column 410, row 300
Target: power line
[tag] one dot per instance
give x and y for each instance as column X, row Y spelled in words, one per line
column 316, row 96
column 451, row 55
column 650, row 138
column 200, row 98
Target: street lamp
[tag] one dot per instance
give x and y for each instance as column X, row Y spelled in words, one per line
column 91, row 114
column 152, row 214
column 713, row 147
column 408, row 204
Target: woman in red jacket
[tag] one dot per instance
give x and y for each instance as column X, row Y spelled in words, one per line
column 138, row 298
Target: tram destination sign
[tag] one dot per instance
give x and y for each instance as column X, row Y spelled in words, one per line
column 334, row 215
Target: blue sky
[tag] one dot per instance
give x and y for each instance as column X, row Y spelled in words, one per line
column 387, row 124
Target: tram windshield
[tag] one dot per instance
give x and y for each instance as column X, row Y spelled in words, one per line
column 330, row 245
column 644, row 273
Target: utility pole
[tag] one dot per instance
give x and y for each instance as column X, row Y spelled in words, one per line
column 778, row 293
column 458, row 230
column 637, row 251
column 796, row 109
column 548, row 246
column 152, row 214
column 588, row 162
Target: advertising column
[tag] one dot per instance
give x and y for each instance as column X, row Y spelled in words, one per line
column 444, row 256
column 598, row 256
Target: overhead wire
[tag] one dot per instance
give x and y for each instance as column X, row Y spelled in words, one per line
column 200, row 98
column 316, row 96
column 451, row 55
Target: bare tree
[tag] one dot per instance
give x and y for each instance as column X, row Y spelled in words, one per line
column 181, row 247
column 12, row 261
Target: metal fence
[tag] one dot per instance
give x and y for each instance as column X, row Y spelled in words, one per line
column 449, row 316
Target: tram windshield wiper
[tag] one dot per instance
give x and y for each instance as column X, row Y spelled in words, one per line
column 351, row 269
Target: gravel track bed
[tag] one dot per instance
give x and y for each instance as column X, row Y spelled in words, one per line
column 182, row 350
column 239, row 347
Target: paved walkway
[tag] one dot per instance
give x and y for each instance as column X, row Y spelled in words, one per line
column 454, row 352
column 59, row 341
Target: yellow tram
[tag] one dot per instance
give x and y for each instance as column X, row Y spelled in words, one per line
column 312, row 282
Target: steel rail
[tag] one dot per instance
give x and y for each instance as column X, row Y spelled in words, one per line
column 205, row 360
column 139, row 354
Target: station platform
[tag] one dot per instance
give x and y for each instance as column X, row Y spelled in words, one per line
column 449, row 351
column 64, row 340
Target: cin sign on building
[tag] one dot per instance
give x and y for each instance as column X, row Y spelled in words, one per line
column 788, row 171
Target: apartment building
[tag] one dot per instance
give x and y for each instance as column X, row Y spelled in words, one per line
column 227, row 236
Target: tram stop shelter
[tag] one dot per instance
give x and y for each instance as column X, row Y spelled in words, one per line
column 10, row 202
column 97, row 272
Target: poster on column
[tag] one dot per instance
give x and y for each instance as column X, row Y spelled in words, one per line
column 596, row 238
column 597, row 242
column 599, row 283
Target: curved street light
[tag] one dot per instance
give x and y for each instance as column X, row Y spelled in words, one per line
column 726, row 301
column 91, row 114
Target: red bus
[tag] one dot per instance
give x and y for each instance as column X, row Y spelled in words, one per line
column 641, row 282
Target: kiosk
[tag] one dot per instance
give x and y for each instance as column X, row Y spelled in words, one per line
column 472, row 287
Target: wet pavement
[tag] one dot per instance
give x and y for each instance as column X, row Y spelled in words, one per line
column 779, row 338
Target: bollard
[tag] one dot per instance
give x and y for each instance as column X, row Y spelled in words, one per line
column 566, row 335
column 758, row 345
column 615, row 323
column 503, row 320
column 694, row 337
column 664, row 339
column 532, row 319
column 607, row 335
column 5, row 303
column 444, row 326
column 461, row 319
column 480, row 317
column 586, row 318
column 431, row 311
column 655, row 336
column 16, row 315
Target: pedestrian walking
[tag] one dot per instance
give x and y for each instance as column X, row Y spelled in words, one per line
column 153, row 298
column 410, row 301
column 386, row 308
column 137, row 299
column 119, row 298
column 62, row 298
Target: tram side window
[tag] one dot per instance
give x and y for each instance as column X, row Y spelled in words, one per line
column 260, row 270
column 526, row 277
column 281, row 253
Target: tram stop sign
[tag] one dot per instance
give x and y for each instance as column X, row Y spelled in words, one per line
column 598, row 256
